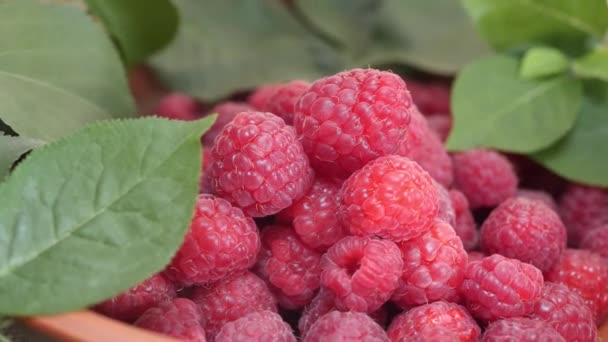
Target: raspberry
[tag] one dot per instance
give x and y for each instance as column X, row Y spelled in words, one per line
column 441, row 125
column 424, row 323
column 256, row 326
column 520, row 329
column 596, row 240
column 391, row 197
column 431, row 97
column 433, row 267
column 475, row 256
column 261, row 95
column 283, row 102
column 226, row 111
column 585, row 273
column 361, row 272
column 314, row 216
column 498, row 287
column 178, row 106
column 292, row 268
column 129, row 305
column 565, row 311
column 232, row 299
column 465, row 225
column 583, row 208
column 446, row 211
column 259, row 165
column 525, row 229
column 179, row 318
column 351, row 118
column 538, row 195
column 339, row 326
column 486, row 177
column 221, row 241
column 204, row 180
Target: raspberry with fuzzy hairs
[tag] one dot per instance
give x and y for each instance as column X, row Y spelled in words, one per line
column 351, row 118
column 178, row 106
column 259, row 98
column 283, row 101
column 538, row 195
column 179, row 318
column 465, row 225
column 485, row 176
column 226, row 111
column 441, row 125
column 221, row 241
column 583, row 208
column 259, row 165
column 257, row 327
column 596, row 240
column 361, row 272
column 339, row 326
column 522, row 330
column 391, row 197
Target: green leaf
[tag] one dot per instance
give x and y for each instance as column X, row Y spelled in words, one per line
column 592, row 65
column 519, row 23
column 141, row 28
column 11, row 148
column 90, row 215
column 495, row 108
column 227, row 46
column 543, row 61
column 58, row 70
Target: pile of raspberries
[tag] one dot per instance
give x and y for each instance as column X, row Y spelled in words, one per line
column 331, row 211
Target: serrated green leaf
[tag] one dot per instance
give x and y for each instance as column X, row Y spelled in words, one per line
column 11, row 148
column 141, row 28
column 58, row 70
column 592, row 65
column 494, row 107
column 88, row 216
column 541, row 62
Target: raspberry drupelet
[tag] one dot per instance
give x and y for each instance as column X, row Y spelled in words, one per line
column 259, row 326
column 338, row 326
column 179, row 318
column 522, row 330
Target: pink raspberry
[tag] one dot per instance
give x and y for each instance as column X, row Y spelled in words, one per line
column 486, row 177
column 475, row 256
column 179, row 318
column 441, row 125
column 431, row 97
column 585, row 273
column 498, row 287
column 538, row 195
column 596, row 240
column 259, row 165
column 257, row 327
column 583, row 208
column 129, row 305
column 520, row 329
column 221, row 241
column 292, row 268
column 361, row 272
column 424, row 323
column 351, row 118
column 283, row 101
column 433, row 267
column 391, row 197
column 566, row 311
column 226, row 111
column 314, row 216
column 232, row 299
column 465, row 225
column 179, row 106
column 204, row 182
column 446, row 211
column 525, row 229
column 349, row 326
column 259, row 98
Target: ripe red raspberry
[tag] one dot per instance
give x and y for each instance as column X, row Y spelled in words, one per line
column 259, row 98
column 256, row 327
column 465, row 225
column 587, row 274
column 566, row 311
column 259, row 165
column 292, row 268
column 433, row 267
column 129, row 305
column 178, row 106
column 226, row 111
column 204, row 182
column 441, row 125
column 431, row 97
column 350, row 118
column 486, row 177
column 475, row 256
column 314, row 216
column 596, row 240
column 525, row 229
column 538, row 195
column 583, row 208
column 221, row 241
column 391, row 197
column 232, row 299
column 424, row 323
column 338, row 326
column 446, row 211
column 179, row 318
column 522, row 330
column 361, row 272
column 498, row 287
column 283, row 102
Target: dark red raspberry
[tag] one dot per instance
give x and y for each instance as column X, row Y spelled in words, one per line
column 583, row 208
column 361, row 272
column 221, row 241
column 232, row 299
column 431, row 97
column 538, row 195
column 587, row 274
column 431, row 321
column 179, row 318
column 525, row 229
column 261, row 95
column 566, row 312
column 260, row 326
column 596, row 240
column 441, row 125
column 476, row 256
column 314, row 216
column 178, row 106
column 391, row 197
column 283, row 101
column 351, row 118
column 465, row 225
column 129, row 305
column 486, row 177
column 259, row 165
column 446, row 211
column 433, row 267
column 291, row 267
column 338, row 326
column 204, row 180
column 498, row 287
column 226, row 111
column 522, row 330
